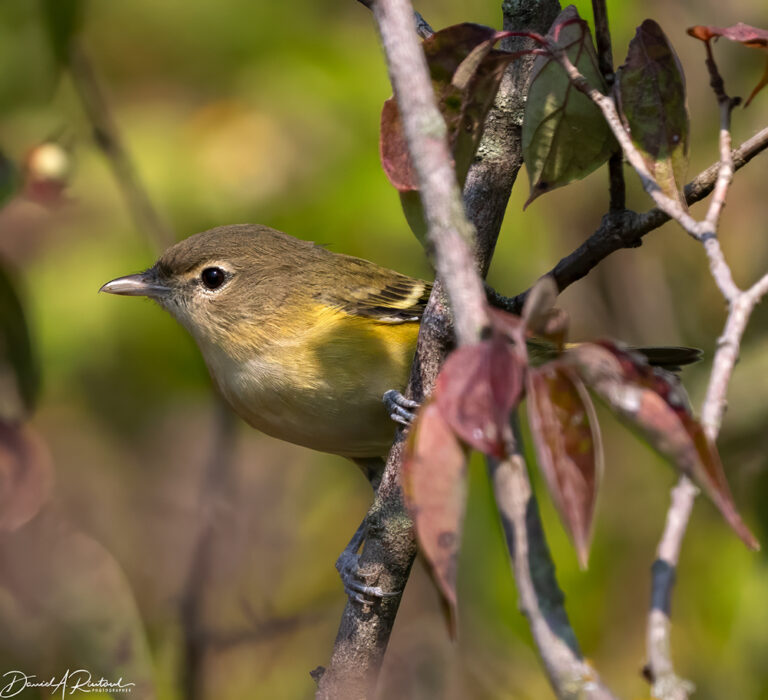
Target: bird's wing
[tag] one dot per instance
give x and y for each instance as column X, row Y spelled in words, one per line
column 386, row 297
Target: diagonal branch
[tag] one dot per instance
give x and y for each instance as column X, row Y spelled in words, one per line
column 107, row 137
column 539, row 595
column 390, row 546
column 625, row 229
column 665, row 683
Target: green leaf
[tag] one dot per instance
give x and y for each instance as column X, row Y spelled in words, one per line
column 567, row 439
column 653, row 402
column 62, row 19
column 434, row 474
column 651, row 96
column 564, row 134
column 19, row 372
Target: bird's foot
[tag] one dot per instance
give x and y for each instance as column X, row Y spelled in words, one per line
column 401, row 410
column 348, row 566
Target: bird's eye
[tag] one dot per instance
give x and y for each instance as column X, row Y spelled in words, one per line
column 213, row 277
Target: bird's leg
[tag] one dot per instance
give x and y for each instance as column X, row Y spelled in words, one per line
column 348, row 562
column 401, row 410
column 348, row 567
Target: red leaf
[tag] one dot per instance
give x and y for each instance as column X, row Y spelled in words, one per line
column 568, row 445
column 476, row 390
column 26, row 475
column 466, row 72
column 742, row 33
column 394, row 150
column 652, row 401
column 745, row 34
column 434, row 486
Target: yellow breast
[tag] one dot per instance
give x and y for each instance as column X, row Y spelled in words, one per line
column 320, row 385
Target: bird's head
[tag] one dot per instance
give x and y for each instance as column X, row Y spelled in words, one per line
column 224, row 285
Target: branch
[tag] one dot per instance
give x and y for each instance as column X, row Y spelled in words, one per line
column 666, row 684
column 449, row 231
column 107, row 138
column 390, row 546
column 625, row 229
column 617, row 186
column 500, row 154
column 540, row 597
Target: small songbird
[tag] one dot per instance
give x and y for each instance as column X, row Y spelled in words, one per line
column 303, row 343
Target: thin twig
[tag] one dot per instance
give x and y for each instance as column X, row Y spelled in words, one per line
column 423, row 29
column 540, row 597
column 617, row 187
column 626, row 229
column 107, row 138
column 666, row 684
column 450, row 232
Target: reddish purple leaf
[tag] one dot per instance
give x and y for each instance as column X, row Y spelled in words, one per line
column 568, row 445
column 652, row 401
column 26, row 475
column 476, row 390
column 394, row 150
column 434, row 486
column 751, row 37
column 742, row 33
column 466, row 72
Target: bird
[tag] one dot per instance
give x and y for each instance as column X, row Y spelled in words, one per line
column 302, row 342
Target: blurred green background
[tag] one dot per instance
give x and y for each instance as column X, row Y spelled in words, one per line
column 241, row 111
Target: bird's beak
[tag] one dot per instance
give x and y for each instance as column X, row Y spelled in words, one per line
column 143, row 284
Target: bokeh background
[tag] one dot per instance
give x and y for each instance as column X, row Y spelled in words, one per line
column 149, row 564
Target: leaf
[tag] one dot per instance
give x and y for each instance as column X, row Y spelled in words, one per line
column 476, row 390
column 19, row 372
column 652, row 401
column 466, row 72
column 564, row 134
column 567, row 439
column 540, row 314
column 651, row 95
column 62, row 19
column 393, row 149
column 26, row 475
column 751, row 37
column 434, row 474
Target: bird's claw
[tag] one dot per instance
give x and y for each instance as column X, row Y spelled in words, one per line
column 401, row 410
column 348, row 567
